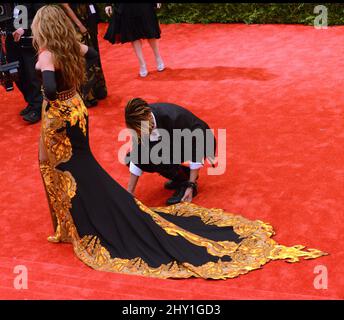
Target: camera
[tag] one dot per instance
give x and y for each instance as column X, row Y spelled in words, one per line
column 8, row 71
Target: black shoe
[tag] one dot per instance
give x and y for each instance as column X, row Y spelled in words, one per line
column 179, row 194
column 91, row 103
column 172, row 185
column 33, row 116
column 100, row 93
column 26, row 110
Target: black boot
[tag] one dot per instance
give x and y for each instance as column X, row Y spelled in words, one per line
column 172, row 185
column 26, row 110
column 89, row 103
column 100, row 93
column 177, row 174
column 32, row 116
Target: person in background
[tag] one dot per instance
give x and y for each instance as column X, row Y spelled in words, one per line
column 85, row 17
column 133, row 22
column 19, row 47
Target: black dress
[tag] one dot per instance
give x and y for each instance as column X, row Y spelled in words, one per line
column 111, row 230
column 133, row 21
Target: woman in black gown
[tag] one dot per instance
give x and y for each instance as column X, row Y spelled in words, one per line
column 109, row 229
column 132, row 22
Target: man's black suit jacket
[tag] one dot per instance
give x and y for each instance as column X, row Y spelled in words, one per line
column 170, row 116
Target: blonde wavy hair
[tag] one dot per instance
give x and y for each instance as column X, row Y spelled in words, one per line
column 52, row 30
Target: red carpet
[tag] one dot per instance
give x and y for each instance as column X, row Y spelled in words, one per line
column 275, row 88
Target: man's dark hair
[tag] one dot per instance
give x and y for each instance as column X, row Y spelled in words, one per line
column 136, row 112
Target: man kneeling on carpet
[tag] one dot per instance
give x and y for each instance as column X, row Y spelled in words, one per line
column 165, row 136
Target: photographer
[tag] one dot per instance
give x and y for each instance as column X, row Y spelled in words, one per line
column 19, row 48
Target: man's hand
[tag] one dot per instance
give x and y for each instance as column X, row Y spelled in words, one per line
column 18, row 34
column 158, row 5
column 189, row 191
column 188, row 195
column 108, row 11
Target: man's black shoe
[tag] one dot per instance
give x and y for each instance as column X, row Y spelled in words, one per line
column 33, row 116
column 179, row 194
column 25, row 111
column 172, row 185
column 100, row 93
column 91, row 103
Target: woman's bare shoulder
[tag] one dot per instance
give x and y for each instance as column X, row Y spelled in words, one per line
column 45, row 61
column 83, row 49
